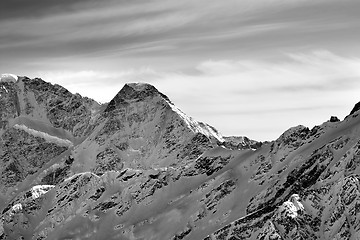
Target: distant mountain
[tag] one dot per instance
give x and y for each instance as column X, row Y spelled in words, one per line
column 139, row 168
column 8, row 77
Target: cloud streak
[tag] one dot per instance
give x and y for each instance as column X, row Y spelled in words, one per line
column 78, row 27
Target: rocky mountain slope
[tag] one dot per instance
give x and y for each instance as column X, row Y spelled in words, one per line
column 139, row 168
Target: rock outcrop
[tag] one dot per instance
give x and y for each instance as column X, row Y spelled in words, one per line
column 355, row 108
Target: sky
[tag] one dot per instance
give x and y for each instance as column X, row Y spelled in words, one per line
column 248, row 68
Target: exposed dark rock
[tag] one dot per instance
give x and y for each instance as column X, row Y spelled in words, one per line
column 23, row 155
column 210, row 165
column 56, row 176
column 355, row 108
column 133, row 92
column 334, row 119
column 63, row 109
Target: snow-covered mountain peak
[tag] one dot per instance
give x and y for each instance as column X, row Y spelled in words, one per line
column 137, row 95
column 8, row 77
column 143, row 129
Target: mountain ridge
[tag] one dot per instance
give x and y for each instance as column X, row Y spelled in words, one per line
column 140, row 168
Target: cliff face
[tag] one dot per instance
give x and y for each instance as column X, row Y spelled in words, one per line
column 139, row 168
column 39, row 122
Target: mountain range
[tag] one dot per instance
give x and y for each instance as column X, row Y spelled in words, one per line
column 139, row 168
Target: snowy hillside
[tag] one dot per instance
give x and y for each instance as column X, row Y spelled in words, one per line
column 140, row 168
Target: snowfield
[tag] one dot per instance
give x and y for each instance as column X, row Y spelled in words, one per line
column 47, row 137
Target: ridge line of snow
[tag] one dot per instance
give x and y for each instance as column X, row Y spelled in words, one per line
column 39, row 190
column 81, row 174
column 46, row 136
column 195, row 126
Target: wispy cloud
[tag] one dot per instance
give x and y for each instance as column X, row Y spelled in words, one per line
column 318, row 70
column 48, row 28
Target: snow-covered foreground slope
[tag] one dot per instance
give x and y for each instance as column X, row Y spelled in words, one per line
column 139, row 168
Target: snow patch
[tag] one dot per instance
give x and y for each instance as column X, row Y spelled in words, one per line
column 16, row 208
column 164, row 169
column 46, row 136
column 8, row 77
column 39, row 190
column 89, row 174
column 291, row 207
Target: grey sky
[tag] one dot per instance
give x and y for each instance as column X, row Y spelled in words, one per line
column 235, row 64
